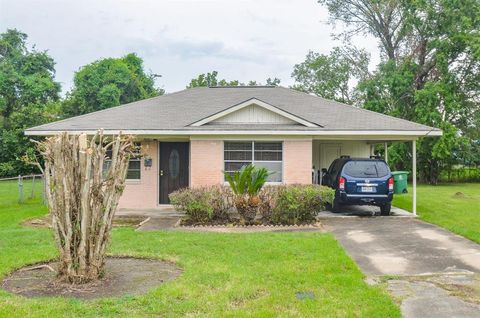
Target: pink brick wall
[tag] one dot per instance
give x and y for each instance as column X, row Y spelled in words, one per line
column 206, row 163
column 143, row 194
column 297, row 161
column 206, row 169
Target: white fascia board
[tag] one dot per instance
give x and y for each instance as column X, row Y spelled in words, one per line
column 419, row 133
column 257, row 102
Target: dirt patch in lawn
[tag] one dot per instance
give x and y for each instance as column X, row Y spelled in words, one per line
column 119, row 221
column 459, row 195
column 123, row 276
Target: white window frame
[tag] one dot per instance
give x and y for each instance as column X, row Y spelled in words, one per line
column 139, row 169
column 137, row 158
column 253, row 161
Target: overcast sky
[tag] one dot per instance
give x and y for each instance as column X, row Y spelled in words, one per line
column 241, row 39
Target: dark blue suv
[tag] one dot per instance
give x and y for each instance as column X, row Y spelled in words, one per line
column 360, row 181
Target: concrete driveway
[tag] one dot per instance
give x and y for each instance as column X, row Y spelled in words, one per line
column 438, row 270
column 403, row 246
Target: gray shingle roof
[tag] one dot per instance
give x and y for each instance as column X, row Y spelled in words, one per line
column 176, row 111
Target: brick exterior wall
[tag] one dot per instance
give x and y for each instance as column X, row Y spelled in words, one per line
column 206, row 165
column 206, row 162
column 143, row 194
column 297, row 161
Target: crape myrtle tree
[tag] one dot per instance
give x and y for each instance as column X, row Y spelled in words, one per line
column 82, row 198
column 429, row 72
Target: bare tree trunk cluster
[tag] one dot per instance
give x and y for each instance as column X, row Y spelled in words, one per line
column 82, row 198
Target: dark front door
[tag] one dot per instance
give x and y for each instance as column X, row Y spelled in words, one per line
column 173, row 168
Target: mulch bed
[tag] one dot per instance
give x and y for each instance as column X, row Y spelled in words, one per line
column 225, row 227
column 124, row 276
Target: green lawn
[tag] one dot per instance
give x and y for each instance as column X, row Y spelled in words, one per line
column 455, row 207
column 225, row 275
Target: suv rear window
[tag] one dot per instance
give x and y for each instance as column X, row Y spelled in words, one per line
column 366, row 169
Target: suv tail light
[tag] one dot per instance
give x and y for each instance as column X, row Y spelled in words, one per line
column 390, row 184
column 341, row 183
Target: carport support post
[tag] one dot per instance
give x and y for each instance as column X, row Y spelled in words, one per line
column 414, row 176
column 386, row 152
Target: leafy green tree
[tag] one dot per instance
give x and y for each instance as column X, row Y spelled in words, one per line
column 107, row 83
column 210, row 79
column 29, row 96
column 273, row 81
column 429, row 71
column 330, row 76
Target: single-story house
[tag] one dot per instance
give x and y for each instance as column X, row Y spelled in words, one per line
column 193, row 135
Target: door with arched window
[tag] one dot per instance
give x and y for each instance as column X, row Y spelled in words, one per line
column 173, row 168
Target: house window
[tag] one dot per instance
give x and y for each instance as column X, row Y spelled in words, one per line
column 134, row 164
column 267, row 154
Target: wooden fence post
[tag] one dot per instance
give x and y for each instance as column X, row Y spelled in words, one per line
column 20, row 189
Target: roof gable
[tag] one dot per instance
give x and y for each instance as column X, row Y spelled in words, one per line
column 253, row 111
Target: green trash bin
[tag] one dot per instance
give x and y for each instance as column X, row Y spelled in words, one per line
column 400, row 184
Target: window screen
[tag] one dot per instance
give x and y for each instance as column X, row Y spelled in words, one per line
column 267, row 154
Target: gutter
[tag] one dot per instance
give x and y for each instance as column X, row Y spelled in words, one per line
column 417, row 133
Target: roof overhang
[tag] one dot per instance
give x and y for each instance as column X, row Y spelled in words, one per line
column 254, row 101
column 194, row 132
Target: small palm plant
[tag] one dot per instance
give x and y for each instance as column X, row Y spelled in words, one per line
column 246, row 185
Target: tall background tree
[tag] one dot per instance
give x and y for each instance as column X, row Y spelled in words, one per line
column 29, row 96
column 429, row 72
column 210, row 79
column 107, row 83
column 332, row 76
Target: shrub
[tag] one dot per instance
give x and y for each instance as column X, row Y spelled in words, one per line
column 203, row 204
column 268, row 201
column 300, row 203
column 194, row 202
column 221, row 201
column 6, row 169
column 283, row 204
column 246, row 185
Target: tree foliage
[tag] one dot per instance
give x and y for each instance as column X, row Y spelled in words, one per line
column 211, row 79
column 28, row 97
column 107, row 83
column 429, row 71
column 330, row 76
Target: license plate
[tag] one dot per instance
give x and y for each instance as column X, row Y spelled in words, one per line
column 368, row 189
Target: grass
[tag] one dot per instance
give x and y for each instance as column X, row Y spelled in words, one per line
column 455, row 207
column 225, row 275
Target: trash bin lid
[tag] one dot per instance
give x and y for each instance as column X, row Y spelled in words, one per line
column 395, row 173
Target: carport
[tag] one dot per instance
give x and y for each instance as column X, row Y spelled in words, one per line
column 414, row 171
column 325, row 150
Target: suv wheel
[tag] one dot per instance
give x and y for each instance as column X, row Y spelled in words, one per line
column 385, row 209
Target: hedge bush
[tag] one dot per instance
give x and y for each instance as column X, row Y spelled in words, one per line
column 300, row 203
column 282, row 204
column 203, row 204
